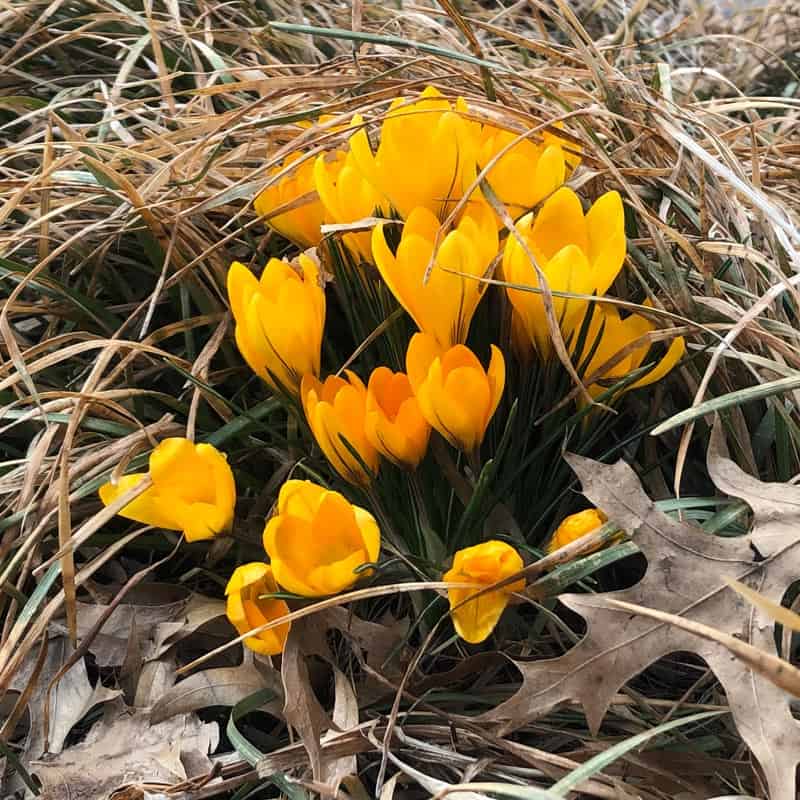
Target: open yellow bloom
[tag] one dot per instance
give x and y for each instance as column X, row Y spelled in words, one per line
column 193, row 490
column 426, row 155
column 485, row 563
column 577, row 253
column 279, row 319
column 336, row 409
column 246, row 609
column 576, row 525
column 444, row 306
column 348, row 197
column 456, row 394
column 527, row 173
column 609, row 334
column 317, row 540
column 394, row 424
column 300, row 224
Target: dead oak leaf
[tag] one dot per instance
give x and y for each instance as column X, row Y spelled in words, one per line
column 124, row 748
column 686, row 576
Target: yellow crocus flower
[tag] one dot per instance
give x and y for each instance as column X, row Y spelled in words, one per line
column 526, row 173
column 576, row 525
column 347, row 197
column 317, row 540
column 485, row 564
column 301, row 224
column 394, row 424
column 608, row 334
column 426, row 155
column 577, row 253
column 456, row 394
column 443, row 307
column 336, row 409
column 279, row 319
column 193, row 490
column 247, row 609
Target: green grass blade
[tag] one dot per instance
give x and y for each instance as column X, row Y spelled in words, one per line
column 768, row 389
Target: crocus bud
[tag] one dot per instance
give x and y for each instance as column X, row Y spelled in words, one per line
column 247, row 608
column 193, row 490
column 456, row 394
column 279, row 319
column 317, row 540
column 484, row 564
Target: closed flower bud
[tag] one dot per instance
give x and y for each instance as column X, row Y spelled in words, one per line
column 193, row 490
column 301, row 223
column 608, row 334
column 443, row 306
column 576, row 525
column 247, row 608
column 456, row 394
column 394, row 423
column 347, row 197
column 336, row 410
column 426, row 155
column 578, row 254
column 317, row 540
column 279, row 319
column 485, row 564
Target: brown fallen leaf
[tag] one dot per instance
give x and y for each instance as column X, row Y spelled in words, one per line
column 219, row 687
column 125, row 748
column 772, row 667
column 148, row 606
column 687, row 576
column 301, row 708
column 72, row 697
column 345, row 718
column 199, row 611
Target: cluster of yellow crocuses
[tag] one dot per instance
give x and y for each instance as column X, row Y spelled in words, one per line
column 428, row 173
column 318, row 543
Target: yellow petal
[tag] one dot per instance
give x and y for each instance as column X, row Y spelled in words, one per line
column 370, row 532
column 550, row 173
column 242, row 284
column 460, row 403
column 496, row 375
column 422, row 350
column 148, row 508
column 245, row 575
column 576, row 525
column 605, row 224
column 674, row 354
column 560, row 223
column 485, row 564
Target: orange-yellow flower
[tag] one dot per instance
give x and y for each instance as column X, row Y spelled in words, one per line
column 443, row 307
column 485, row 564
column 608, row 334
column 318, row 540
column 193, row 490
column 348, row 197
column 578, row 254
column 426, row 155
column 526, row 173
column 247, row 609
column 394, row 424
column 456, row 394
column 335, row 410
column 279, row 319
column 301, row 223
column 576, row 525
